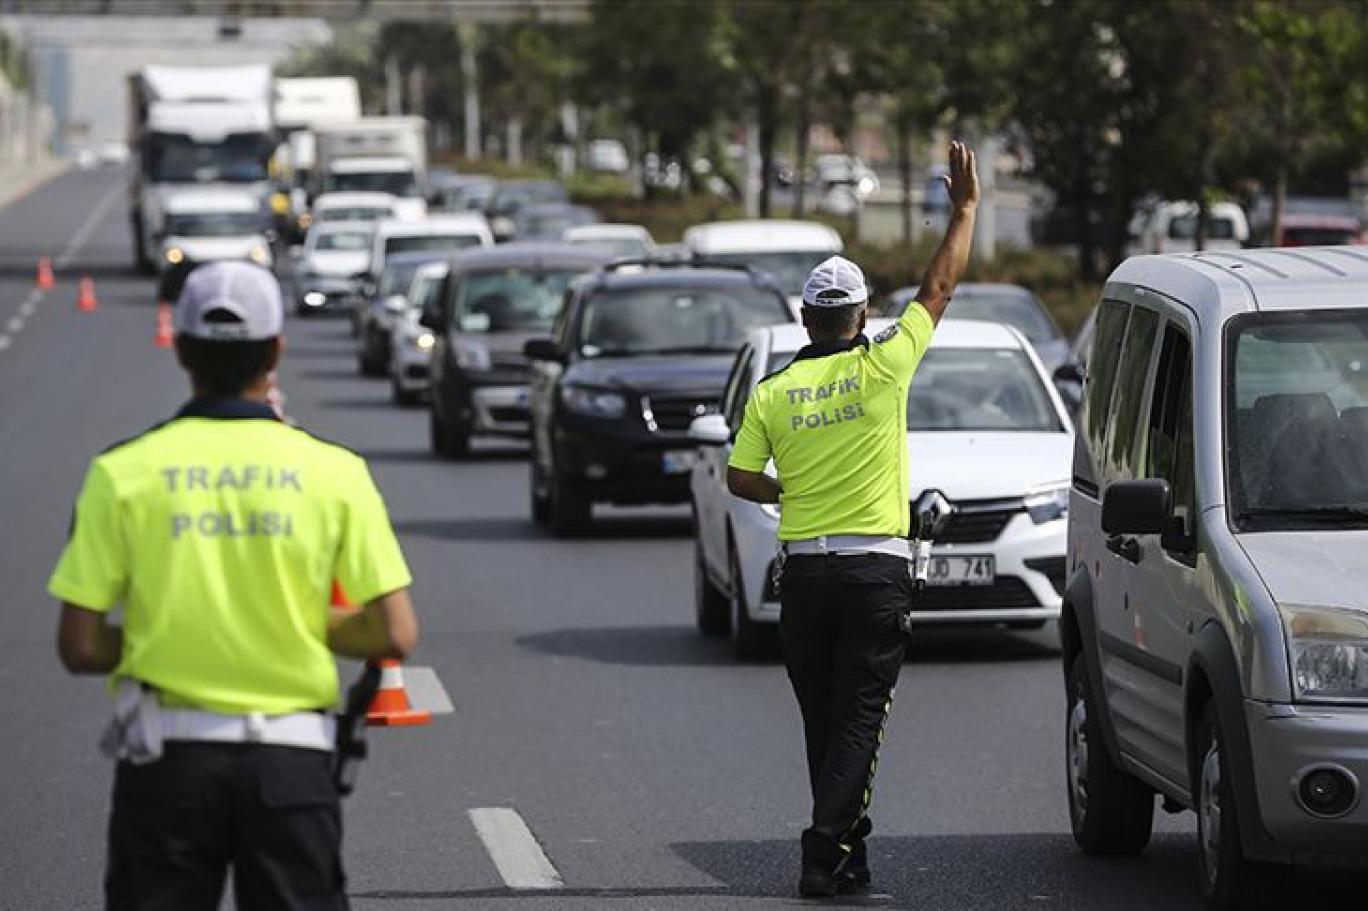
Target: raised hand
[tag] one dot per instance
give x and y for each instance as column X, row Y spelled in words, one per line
column 962, row 182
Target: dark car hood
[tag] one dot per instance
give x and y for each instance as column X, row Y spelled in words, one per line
column 679, row 374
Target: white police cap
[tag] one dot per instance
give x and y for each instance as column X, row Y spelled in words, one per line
column 836, row 282
column 230, row 302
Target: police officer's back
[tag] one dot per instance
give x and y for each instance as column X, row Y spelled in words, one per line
column 834, row 422
column 220, row 533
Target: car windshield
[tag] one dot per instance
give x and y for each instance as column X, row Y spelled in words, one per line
column 423, row 242
column 350, row 241
column 173, row 158
column 790, row 269
column 675, row 320
column 214, row 224
column 1018, row 309
column 511, row 199
column 984, row 389
column 353, row 213
column 551, row 225
column 617, row 247
column 397, row 277
column 512, row 300
column 1297, row 420
column 395, row 183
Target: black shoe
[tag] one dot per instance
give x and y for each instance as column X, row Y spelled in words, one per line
column 817, row 882
column 854, row 882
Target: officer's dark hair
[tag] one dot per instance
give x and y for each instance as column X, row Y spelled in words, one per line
column 225, row 369
column 832, row 322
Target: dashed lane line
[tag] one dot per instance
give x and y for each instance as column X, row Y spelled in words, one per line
column 15, row 324
column 517, row 856
column 4, row 342
column 78, row 240
column 28, row 308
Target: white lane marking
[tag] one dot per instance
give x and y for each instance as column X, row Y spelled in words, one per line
column 4, row 342
column 15, row 324
column 426, row 692
column 27, row 308
column 78, row 240
column 520, row 860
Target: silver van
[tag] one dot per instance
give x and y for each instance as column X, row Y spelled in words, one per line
column 1215, row 620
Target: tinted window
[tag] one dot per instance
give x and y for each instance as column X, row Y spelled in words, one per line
column 180, row 159
column 1131, row 376
column 737, row 393
column 511, row 300
column 1184, row 227
column 352, row 213
column 1169, row 447
column 354, row 241
column 430, row 242
column 395, row 183
column 678, row 320
column 214, row 224
column 1111, row 333
column 987, row 389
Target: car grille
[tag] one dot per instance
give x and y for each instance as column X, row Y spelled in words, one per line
column 675, row 413
column 1052, row 567
column 511, row 362
column 507, row 414
column 1006, row 592
column 978, row 521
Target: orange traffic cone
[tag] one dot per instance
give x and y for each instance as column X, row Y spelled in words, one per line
column 85, row 298
column 391, row 706
column 166, row 333
column 45, row 280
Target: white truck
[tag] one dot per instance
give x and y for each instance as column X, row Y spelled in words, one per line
column 303, row 105
column 377, row 154
column 195, row 126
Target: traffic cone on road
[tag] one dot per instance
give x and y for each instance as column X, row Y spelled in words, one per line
column 45, row 280
column 391, row 706
column 166, row 333
column 86, row 301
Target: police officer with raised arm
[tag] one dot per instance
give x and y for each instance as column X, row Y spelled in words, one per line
column 220, row 533
column 835, row 424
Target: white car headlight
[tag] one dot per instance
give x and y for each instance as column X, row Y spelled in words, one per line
column 1328, row 648
column 174, row 255
column 424, row 341
column 598, row 403
column 1048, row 502
column 259, row 255
column 473, row 356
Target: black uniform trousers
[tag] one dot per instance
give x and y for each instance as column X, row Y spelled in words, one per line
column 270, row 812
column 843, row 648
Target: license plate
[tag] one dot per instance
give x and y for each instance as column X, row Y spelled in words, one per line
column 964, row 570
column 679, row 462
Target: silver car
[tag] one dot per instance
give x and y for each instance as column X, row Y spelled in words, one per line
column 1215, row 620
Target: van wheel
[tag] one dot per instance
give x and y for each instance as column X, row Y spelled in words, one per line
column 711, row 608
column 1230, row 881
column 750, row 640
column 1110, row 810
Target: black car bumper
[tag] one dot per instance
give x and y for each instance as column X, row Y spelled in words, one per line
column 629, row 466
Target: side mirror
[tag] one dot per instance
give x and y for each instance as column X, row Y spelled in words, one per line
column 1137, row 507
column 710, row 430
column 396, row 303
column 433, row 318
column 931, row 513
column 542, row 349
column 1070, row 372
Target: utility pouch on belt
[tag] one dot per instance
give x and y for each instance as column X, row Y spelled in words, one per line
column 351, row 729
column 135, row 732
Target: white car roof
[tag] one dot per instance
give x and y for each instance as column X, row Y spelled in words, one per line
column 1220, row 284
column 187, row 202
column 607, row 232
column 951, row 333
column 356, row 199
column 433, row 224
column 761, row 235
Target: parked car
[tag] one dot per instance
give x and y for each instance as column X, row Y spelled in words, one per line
column 1171, row 227
column 411, row 343
column 550, row 221
column 381, row 311
column 985, row 428
column 616, row 240
column 995, row 303
column 607, row 156
column 639, row 351
column 1316, row 230
column 787, row 250
column 511, row 195
column 495, row 301
column 332, row 266
column 1215, row 627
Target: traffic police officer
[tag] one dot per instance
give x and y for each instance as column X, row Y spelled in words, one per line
column 835, row 424
column 220, row 533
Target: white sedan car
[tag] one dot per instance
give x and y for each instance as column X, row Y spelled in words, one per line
column 985, row 427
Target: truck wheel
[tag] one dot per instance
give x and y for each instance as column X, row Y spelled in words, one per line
column 712, row 611
column 1230, row 881
column 571, row 510
column 750, row 640
column 1111, row 811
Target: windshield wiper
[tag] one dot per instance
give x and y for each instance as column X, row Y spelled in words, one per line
column 1342, row 513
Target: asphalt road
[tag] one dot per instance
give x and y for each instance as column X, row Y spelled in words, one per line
column 653, row 771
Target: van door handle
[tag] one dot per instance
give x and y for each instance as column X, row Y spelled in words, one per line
column 1125, row 547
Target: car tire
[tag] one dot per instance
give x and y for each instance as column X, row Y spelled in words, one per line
column 448, row 441
column 571, row 510
column 750, row 640
column 539, row 499
column 1230, row 881
column 712, row 609
column 1110, row 810
column 404, row 398
column 369, row 360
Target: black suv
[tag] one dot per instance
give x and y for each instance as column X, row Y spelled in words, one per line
column 494, row 300
column 640, row 350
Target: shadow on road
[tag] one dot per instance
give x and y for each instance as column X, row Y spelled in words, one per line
column 482, row 529
column 380, row 402
column 637, row 646
column 304, row 351
column 976, row 872
column 325, row 373
column 964, row 645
